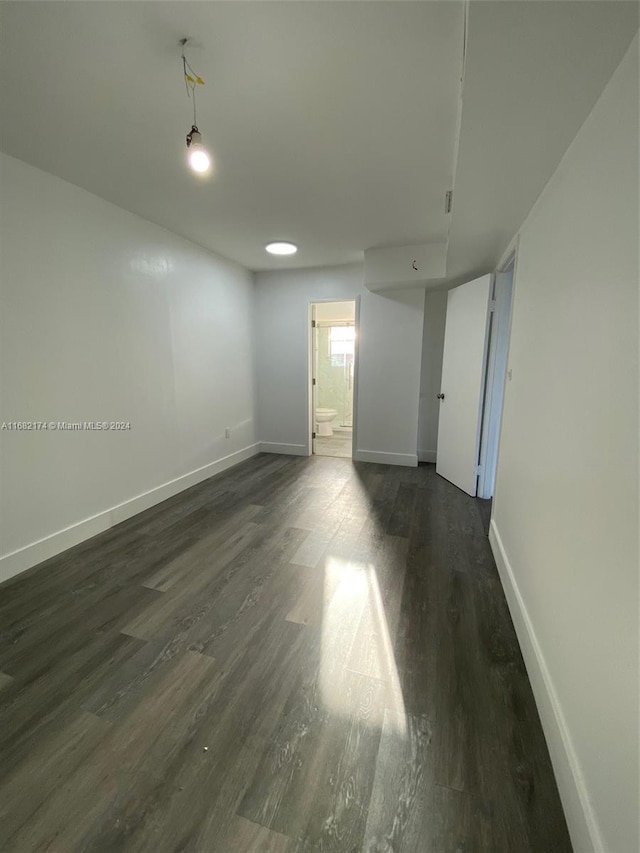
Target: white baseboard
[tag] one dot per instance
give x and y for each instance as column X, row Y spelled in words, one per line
column 426, row 456
column 409, row 460
column 30, row 555
column 581, row 820
column 287, row 449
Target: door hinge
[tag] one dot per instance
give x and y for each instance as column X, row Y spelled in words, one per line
column 313, row 381
column 478, row 470
column 492, row 305
column 313, row 324
column 313, row 435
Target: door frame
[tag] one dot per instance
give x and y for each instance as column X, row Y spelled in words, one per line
column 356, row 369
column 495, row 385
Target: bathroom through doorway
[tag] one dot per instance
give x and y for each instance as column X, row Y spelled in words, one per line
column 333, row 369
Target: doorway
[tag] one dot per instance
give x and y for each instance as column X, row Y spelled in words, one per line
column 333, row 373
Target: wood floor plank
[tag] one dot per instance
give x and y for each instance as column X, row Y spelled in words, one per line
column 208, row 565
column 45, row 770
column 234, row 604
column 240, row 740
column 402, row 778
column 308, row 608
column 313, row 548
column 315, row 780
column 297, row 655
column 412, row 813
column 344, row 779
column 250, row 837
column 399, row 522
column 121, row 690
column 131, row 755
column 196, row 558
column 5, row 681
column 192, row 806
column 372, row 649
column 31, row 710
column 51, row 640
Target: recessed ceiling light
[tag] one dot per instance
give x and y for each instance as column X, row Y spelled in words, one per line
column 281, row 248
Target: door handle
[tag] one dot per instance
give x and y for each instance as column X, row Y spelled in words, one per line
column 440, row 396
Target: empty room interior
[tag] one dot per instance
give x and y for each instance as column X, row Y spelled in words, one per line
column 319, row 426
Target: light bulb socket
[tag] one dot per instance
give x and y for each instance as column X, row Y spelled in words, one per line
column 194, row 137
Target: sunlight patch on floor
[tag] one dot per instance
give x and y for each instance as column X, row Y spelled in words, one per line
column 356, row 642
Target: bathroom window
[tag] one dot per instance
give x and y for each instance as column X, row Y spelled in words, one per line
column 341, row 344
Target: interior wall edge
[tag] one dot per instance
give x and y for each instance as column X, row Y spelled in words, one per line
column 579, row 813
column 427, row 456
column 37, row 552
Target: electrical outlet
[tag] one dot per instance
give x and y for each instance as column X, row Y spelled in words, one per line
column 227, row 432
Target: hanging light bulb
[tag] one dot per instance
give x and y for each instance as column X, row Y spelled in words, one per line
column 197, row 155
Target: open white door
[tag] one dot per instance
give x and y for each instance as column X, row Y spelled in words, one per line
column 462, row 387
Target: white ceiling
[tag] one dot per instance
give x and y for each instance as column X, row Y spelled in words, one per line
column 332, row 124
column 533, row 72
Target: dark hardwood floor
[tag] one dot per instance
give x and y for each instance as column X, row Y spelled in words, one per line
column 297, row 655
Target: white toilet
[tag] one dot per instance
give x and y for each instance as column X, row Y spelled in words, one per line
column 323, row 421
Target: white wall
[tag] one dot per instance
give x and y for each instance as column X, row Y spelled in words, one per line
column 565, row 521
column 435, row 315
column 390, row 341
column 108, row 317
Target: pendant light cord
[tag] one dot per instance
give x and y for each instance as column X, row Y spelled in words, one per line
column 191, row 82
